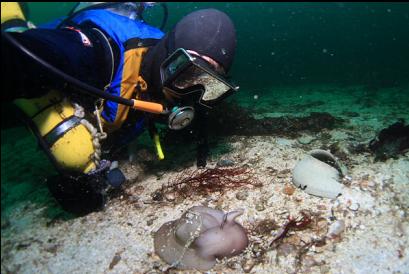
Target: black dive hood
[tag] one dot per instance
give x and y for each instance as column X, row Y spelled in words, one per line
column 209, row 32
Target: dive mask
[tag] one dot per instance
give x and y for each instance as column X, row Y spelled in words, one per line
column 184, row 75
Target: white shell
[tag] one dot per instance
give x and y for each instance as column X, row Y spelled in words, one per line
column 318, row 173
column 336, row 229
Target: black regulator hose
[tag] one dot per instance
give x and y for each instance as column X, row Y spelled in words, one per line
column 82, row 86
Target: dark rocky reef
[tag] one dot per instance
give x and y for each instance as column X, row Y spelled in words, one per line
column 391, row 141
column 231, row 119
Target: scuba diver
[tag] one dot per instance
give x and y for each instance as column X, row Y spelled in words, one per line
column 102, row 75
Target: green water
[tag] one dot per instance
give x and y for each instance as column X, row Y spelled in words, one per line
column 280, row 46
column 287, row 43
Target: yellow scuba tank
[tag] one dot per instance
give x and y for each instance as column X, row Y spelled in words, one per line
column 10, row 11
column 62, row 134
column 69, row 142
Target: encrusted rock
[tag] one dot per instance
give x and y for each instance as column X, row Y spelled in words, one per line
column 242, row 195
column 336, row 228
column 288, row 190
column 157, row 196
column 170, row 196
column 260, row 206
column 248, row 265
column 285, row 249
column 305, row 140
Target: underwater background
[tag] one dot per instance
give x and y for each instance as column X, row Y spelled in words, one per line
column 279, row 45
column 346, row 59
column 299, row 43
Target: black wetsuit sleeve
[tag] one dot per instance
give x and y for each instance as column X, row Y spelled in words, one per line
column 24, row 77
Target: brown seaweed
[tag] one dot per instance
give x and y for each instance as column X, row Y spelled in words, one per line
column 204, row 181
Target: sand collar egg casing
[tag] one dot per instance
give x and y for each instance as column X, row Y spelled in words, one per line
column 200, row 236
column 319, row 174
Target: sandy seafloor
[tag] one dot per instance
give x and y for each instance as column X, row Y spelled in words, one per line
column 37, row 238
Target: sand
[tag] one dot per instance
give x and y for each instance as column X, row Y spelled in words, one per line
column 37, row 237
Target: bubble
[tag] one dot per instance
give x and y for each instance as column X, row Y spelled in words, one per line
column 324, row 50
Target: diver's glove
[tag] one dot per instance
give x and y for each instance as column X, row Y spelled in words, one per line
column 79, row 193
column 85, row 193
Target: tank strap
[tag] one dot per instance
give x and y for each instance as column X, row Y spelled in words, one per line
column 62, row 128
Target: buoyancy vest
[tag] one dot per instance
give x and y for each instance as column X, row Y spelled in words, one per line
column 68, row 140
column 132, row 38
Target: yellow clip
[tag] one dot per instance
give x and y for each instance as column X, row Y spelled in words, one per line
column 159, row 151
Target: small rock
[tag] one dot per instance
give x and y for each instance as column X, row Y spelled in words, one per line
column 336, row 228
column 324, row 269
column 288, row 190
column 52, row 248
column 115, row 260
column 305, row 140
column 233, row 264
column 321, row 226
column 170, row 196
column 371, row 184
column 321, row 207
column 294, row 240
column 157, row 196
column 264, row 227
column 225, row 163
column 242, row 195
column 260, row 206
column 257, row 249
column 248, row 265
column 309, row 261
column 283, row 173
column 285, row 249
